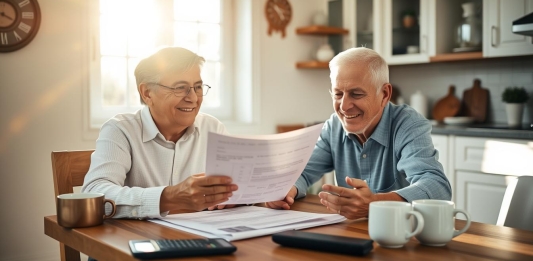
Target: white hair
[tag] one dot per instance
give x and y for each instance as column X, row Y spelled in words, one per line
column 169, row 59
column 377, row 66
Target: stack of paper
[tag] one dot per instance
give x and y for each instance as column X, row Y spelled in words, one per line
column 245, row 222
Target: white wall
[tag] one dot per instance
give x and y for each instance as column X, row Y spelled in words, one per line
column 43, row 88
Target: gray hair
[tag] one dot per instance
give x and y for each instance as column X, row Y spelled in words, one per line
column 165, row 60
column 377, row 66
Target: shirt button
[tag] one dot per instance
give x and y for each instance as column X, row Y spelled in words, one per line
column 364, row 156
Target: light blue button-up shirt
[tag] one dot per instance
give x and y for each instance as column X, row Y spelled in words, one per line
column 399, row 156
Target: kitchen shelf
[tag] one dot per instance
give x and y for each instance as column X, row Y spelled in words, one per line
column 320, row 30
column 312, row 65
column 447, row 57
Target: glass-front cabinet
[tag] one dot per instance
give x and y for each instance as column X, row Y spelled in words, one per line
column 363, row 20
column 406, row 36
column 423, row 31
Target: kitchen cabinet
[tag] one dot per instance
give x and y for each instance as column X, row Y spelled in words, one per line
column 498, row 38
column 404, row 44
column 377, row 24
column 482, row 169
column 481, row 195
column 363, row 19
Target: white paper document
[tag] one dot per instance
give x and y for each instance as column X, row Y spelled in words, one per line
column 245, row 222
column 264, row 167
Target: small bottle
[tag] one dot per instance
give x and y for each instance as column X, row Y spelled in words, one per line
column 419, row 103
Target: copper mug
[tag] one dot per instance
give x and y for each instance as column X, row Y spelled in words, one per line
column 82, row 209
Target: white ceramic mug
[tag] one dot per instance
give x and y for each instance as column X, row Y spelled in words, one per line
column 389, row 223
column 439, row 221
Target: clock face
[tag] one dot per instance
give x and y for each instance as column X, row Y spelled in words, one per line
column 278, row 14
column 19, row 22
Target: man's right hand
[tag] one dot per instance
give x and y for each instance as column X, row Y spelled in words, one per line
column 197, row 192
column 286, row 202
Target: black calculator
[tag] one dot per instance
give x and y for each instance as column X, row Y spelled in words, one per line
column 170, row 248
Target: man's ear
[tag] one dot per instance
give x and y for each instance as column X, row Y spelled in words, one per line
column 146, row 93
column 386, row 90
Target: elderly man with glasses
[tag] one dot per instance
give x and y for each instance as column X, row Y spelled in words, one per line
column 153, row 161
column 379, row 151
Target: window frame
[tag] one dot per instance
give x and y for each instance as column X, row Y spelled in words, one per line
column 98, row 114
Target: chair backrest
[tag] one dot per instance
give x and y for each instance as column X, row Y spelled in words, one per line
column 69, row 169
column 517, row 206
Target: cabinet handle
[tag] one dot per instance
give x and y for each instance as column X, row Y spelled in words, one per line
column 492, row 34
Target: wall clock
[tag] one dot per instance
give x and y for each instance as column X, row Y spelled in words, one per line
column 19, row 22
column 278, row 14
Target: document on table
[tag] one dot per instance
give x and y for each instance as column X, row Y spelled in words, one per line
column 265, row 167
column 245, row 222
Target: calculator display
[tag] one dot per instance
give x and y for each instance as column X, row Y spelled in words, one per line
column 144, row 246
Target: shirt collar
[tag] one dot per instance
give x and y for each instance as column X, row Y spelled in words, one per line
column 381, row 132
column 150, row 130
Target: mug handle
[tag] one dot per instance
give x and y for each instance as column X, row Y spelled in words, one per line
column 459, row 232
column 419, row 224
column 113, row 208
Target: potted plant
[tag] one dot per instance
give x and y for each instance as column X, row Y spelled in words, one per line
column 408, row 18
column 514, row 98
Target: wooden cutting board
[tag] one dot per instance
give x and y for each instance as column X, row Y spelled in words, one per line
column 475, row 101
column 448, row 106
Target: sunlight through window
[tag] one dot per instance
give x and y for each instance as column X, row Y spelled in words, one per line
column 131, row 29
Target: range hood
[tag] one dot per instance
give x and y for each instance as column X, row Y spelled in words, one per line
column 524, row 25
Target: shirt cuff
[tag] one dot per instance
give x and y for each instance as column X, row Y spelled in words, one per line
column 412, row 192
column 301, row 186
column 151, row 199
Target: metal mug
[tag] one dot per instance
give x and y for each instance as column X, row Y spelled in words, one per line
column 82, row 209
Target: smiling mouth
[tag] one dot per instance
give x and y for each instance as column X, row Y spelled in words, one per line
column 350, row 116
column 186, row 109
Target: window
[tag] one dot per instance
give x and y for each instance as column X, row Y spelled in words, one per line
column 124, row 31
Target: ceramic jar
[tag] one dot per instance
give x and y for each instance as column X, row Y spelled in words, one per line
column 319, row 18
column 325, row 53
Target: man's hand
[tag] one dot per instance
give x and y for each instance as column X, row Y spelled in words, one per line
column 351, row 203
column 220, row 207
column 286, row 202
column 197, row 192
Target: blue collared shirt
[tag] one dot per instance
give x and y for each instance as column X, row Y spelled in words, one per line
column 399, row 156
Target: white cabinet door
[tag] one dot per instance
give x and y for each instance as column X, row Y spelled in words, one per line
column 397, row 38
column 498, row 38
column 498, row 156
column 480, row 194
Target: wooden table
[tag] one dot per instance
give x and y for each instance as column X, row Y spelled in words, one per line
column 481, row 242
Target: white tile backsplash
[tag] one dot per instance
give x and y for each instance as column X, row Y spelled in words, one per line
column 495, row 74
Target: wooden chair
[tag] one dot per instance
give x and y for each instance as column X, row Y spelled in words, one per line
column 517, row 206
column 69, row 169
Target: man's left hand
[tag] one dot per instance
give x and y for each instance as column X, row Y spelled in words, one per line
column 351, row 203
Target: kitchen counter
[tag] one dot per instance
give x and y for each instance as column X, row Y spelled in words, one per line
column 495, row 130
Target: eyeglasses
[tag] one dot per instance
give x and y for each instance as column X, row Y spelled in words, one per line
column 183, row 90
